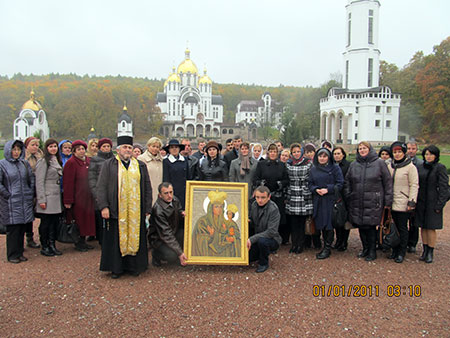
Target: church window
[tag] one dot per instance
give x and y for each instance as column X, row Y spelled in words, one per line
column 356, row 123
column 17, row 131
column 388, row 123
column 340, row 122
column 389, row 110
column 123, row 124
column 347, row 64
column 370, row 73
column 349, row 29
column 356, row 136
column 230, row 131
column 377, row 123
column 224, row 131
column 377, row 109
column 26, row 130
column 192, row 109
column 370, row 38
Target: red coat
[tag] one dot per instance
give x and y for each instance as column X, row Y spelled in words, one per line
column 77, row 192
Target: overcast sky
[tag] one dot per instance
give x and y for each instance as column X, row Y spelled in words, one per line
column 288, row 42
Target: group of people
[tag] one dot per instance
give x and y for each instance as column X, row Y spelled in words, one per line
column 136, row 196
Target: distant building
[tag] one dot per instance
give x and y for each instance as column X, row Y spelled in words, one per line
column 362, row 110
column 125, row 125
column 187, row 104
column 260, row 111
column 32, row 119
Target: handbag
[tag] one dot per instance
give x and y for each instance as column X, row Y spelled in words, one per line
column 68, row 232
column 339, row 212
column 310, row 226
column 388, row 232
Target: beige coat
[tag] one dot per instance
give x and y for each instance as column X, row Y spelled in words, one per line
column 155, row 171
column 406, row 187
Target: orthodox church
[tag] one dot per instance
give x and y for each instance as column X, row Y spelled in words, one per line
column 32, row 119
column 362, row 110
column 187, row 104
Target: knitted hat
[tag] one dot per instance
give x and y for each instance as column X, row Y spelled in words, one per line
column 78, row 143
column 29, row 139
column 399, row 145
column 103, row 141
column 310, row 147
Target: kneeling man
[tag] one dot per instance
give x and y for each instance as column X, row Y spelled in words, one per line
column 166, row 227
column 265, row 219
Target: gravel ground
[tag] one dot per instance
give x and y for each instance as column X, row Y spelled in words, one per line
column 68, row 296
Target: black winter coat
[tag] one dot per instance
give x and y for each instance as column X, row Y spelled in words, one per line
column 94, row 172
column 367, row 189
column 433, row 195
column 176, row 172
column 274, row 175
column 213, row 172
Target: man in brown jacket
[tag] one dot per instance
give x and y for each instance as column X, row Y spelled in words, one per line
column 166, row 228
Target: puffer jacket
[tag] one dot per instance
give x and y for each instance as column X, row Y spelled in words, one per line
column 94, row 172
column 17, row 183
column 406, row 184
column 367, row 189
column 213, row 172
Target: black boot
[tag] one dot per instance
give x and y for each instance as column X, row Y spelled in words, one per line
column 81, row 244
column 372, row 243
column 293, row 249
column 424, row 253
column 327, row 241
column 393, row 254
column 51, row 241
column 363, row 237
column 429, row 256
column 30, row 241
column 53, row 248
column 344, row 245
column 43, row 234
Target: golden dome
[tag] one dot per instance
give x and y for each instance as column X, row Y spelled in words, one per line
column 173, row 77
column 187, row 66
column 32, row 103
column 205, row 78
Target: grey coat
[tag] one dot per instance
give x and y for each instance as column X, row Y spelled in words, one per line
column 235, row 173
column 16, row 188
column 48, row 186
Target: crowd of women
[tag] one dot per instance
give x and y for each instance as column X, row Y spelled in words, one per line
column 305, row 182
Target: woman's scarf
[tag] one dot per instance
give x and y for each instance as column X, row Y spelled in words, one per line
column 129, row 207
column 245, row 165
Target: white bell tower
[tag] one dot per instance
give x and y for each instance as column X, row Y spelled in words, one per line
column 362, row 56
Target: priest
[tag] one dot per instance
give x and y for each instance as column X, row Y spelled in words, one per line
column 124, row 196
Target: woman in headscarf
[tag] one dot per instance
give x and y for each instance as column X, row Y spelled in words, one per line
column 257, row 152
column 48, row 191
column 433, row 195
column 324, row 178
column 368, row 189
column 16, row 198
column 406, row 185
column 65, row 150
column 242, row 169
